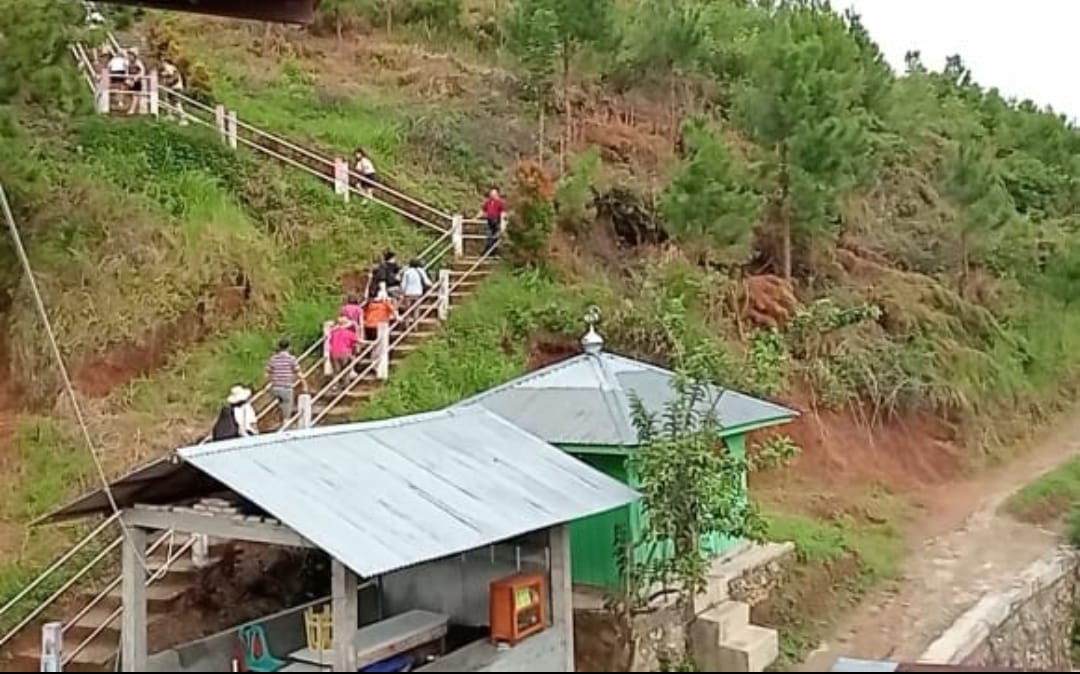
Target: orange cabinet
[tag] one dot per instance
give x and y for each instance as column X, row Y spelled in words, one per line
column 518, row 607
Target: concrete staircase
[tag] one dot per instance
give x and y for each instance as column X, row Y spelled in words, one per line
column 725, row 641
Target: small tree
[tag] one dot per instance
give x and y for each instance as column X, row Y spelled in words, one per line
column 529, row 231
column 709, row 202
column 690, row 483
column 34, row 59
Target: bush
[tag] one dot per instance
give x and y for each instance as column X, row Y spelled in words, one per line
column 574, row 194
column 529, row 231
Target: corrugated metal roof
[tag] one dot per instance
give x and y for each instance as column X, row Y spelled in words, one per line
column 384, row 495
column 585, row 400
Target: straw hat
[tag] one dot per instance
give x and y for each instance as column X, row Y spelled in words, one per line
column 238, row 395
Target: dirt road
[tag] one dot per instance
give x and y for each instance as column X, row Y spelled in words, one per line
column 961, row 549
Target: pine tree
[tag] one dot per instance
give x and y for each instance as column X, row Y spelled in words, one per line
column 803, row 105
column 533, row 29
column 709, row 202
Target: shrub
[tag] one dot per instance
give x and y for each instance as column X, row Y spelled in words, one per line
column 529, row 231
column 574, row 194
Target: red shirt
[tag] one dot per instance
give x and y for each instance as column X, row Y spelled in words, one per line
column 493, row 208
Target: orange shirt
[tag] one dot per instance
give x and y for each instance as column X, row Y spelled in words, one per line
column 378, row 312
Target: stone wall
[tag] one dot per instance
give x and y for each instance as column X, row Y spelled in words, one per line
column 1027, row 626
column 600, row 642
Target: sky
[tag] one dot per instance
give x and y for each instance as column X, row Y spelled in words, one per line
column 1026, row 49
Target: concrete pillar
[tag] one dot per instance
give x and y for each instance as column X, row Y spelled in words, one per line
column 457, row 235
column 219, row 121
column 101, row 96
column 230, row 128
column 443, row 307
column 52, row 647
column 303, row 405
column 382, row 351
column 328, row 367
column 341, row 178
column 154, row 93
column 562, row 590
column 133, row 601
column 345, row 601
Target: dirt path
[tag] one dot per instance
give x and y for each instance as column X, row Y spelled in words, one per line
column 961, row 549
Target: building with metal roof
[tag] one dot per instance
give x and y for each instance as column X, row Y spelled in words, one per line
column 384, row 495
column 586, row 400
column 406, row 497
column 585, row 405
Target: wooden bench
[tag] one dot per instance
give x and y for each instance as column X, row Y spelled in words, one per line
column 384, row 639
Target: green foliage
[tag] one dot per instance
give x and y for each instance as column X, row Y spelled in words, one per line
column 533, row 31
column 576, row 190
column 689, row 486
column 1073, row 536
column 709, row 202
column 665, row 37
column 34, row 52
column 773, row 452
column 1048, row 497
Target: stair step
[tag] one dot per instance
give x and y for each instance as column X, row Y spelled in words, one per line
column 750, row 649
column 729, row 617
column 78, row 631
column 95, row 656
column 162, row 594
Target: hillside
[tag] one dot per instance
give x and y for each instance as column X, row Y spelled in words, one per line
column 896, row 254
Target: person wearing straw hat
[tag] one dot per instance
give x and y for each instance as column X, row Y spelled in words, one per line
column 244, row 413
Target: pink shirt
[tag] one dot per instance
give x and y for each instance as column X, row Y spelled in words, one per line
column 353, row 312
column 342, row 341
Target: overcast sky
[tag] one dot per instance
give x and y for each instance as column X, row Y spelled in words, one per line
column 1028, row 49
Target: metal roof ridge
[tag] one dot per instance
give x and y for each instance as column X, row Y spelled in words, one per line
column 249, row 442
column 615, row 399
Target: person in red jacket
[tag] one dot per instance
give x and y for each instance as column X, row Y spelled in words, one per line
column 492, row 211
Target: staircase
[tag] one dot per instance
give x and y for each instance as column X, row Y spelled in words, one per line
column 90, row 618
column 725, row 641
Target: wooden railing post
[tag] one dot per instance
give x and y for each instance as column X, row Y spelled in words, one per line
column 101, row 97
column 230, row 128
column 341, row 177
column 382, row 351
column 303, row 404
column 154, row 92
column 219, row 121
column 444, row 294
column 457, row 235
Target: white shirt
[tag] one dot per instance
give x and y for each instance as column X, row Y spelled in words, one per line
column 118, row 65
column 365, row 167
column 246, row 419
column 413, row 280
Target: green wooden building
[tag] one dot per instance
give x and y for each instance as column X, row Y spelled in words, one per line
column 582, row 405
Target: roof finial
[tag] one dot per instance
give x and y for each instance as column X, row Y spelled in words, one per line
column 592, row 343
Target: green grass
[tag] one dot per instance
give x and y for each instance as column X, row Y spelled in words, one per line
column 1049, row 497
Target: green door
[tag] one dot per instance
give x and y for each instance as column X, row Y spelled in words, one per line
column 593, row 540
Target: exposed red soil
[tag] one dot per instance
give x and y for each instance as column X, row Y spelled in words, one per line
column 838, row 448
column 117, row 365
column 547, row 349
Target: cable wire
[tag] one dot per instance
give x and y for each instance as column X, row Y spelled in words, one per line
column 20, row 250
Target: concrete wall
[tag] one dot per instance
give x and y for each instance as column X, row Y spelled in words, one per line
column 284, row 632
column 457, row 586
column 1027, row 626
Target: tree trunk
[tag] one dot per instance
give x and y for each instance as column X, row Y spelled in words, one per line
column 389, row 16
column 963, row 280
column 540, row 137
column 785, row 215
column 674, row 115
column 569, row 121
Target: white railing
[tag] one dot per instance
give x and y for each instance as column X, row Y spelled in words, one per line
column 450, row 242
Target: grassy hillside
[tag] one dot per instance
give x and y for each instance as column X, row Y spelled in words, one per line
column 895, row 253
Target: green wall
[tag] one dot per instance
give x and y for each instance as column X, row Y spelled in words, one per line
column 594, row 540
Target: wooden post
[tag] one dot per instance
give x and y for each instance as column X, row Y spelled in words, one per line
column 341, row 178
column 101, row 97
column 52, row 647
column 504, row 220
column 230, row 128
column 444, row 294
column 562, row 603
column 457, row 235
column 133, row 601
column 345, row 602
column 328, row 367
column 154, row 93
column 219, row 121
column 382, row 351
